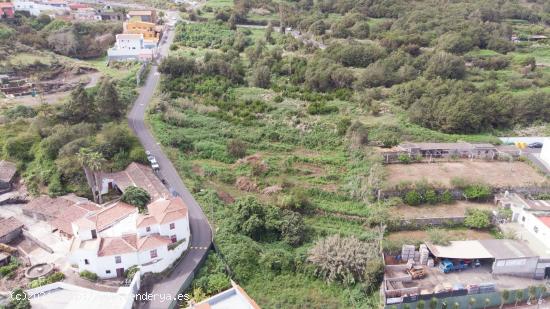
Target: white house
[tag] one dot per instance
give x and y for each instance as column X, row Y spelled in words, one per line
column 48, row 7
column 110, row 241
column 131, row 47
column 234, row 298
column 532, row 215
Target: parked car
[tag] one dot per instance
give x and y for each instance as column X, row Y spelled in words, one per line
column 448, row 266
column 535, row 145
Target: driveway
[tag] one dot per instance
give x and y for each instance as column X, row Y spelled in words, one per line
column 201, row 233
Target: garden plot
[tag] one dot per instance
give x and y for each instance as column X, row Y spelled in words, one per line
column 495, row 174
column 456, row 209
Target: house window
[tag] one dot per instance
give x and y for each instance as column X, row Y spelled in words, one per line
column 172, row 226
column 86, row 261
column 148, row 229
column 536, row 229
column 523, row 219
column 107, row 271
column 153, row 253
column 174, row 238
column 118, row 260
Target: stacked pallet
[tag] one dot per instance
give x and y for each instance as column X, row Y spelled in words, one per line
column 424, row 254
column 430, row 262
column 407, row 252
column 473, row 289
column 487, row 287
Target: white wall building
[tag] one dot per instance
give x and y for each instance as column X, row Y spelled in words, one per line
column 532, row 215
column 64, row 295
column 114, row 239
column 36, row 8
column 131, row 47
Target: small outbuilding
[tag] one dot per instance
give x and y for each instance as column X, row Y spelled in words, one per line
column 10, row 229
column 507, row 257
column 8, row 170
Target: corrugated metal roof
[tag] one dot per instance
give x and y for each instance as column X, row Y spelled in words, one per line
column 482, row 249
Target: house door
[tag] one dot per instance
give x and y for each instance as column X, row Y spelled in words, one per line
column 120, row 272
column 547, row 273
column 94, row 234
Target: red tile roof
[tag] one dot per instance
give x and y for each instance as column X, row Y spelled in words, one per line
column 9, row 225
column 141, row 176
column 545, row 220
column 7, row 169
column 130, row 243
column 152, row 242
column 165, row 211
column 61, row 211
column 6, row 5
column 74, row 6
column 108, row 216
column 114, row 245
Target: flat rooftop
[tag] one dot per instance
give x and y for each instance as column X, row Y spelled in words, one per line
column 70, row 296
column 482, row 249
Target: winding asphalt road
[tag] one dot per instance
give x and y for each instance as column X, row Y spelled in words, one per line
column 201, row 233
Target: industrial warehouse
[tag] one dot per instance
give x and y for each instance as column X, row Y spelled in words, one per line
column 461, row 270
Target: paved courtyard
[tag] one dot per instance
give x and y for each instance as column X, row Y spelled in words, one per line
column 437, row 280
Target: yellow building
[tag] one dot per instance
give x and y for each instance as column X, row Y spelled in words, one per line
column 150, row 31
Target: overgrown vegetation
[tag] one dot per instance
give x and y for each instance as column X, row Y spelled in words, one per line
column 45, row 141
column 137, row 197
column 267, row 129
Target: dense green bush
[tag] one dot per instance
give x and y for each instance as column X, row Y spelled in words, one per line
column 7, row 270
column 478, row 219
column 477, row 192
column 210, row 35
column 321, row 108
column 19, row 299
column 137, row 197
column 413, row 198
column 55, row 277
column 131, row 271
column 88, row 275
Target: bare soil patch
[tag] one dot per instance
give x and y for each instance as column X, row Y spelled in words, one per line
column 496, row 174
column 422, row 235
column 441, row 210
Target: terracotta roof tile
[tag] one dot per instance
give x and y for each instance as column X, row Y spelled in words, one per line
column 139, row 175
column 144, row 221
column 152, row 242
column 168, row 210
column 113, row 246
column 61, row 211
column 130, row 243
column 108, row 216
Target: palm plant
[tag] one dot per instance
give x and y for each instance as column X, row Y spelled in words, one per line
column 519, row 297
column 504, row 297
column 532, row 293
column 92, row 162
